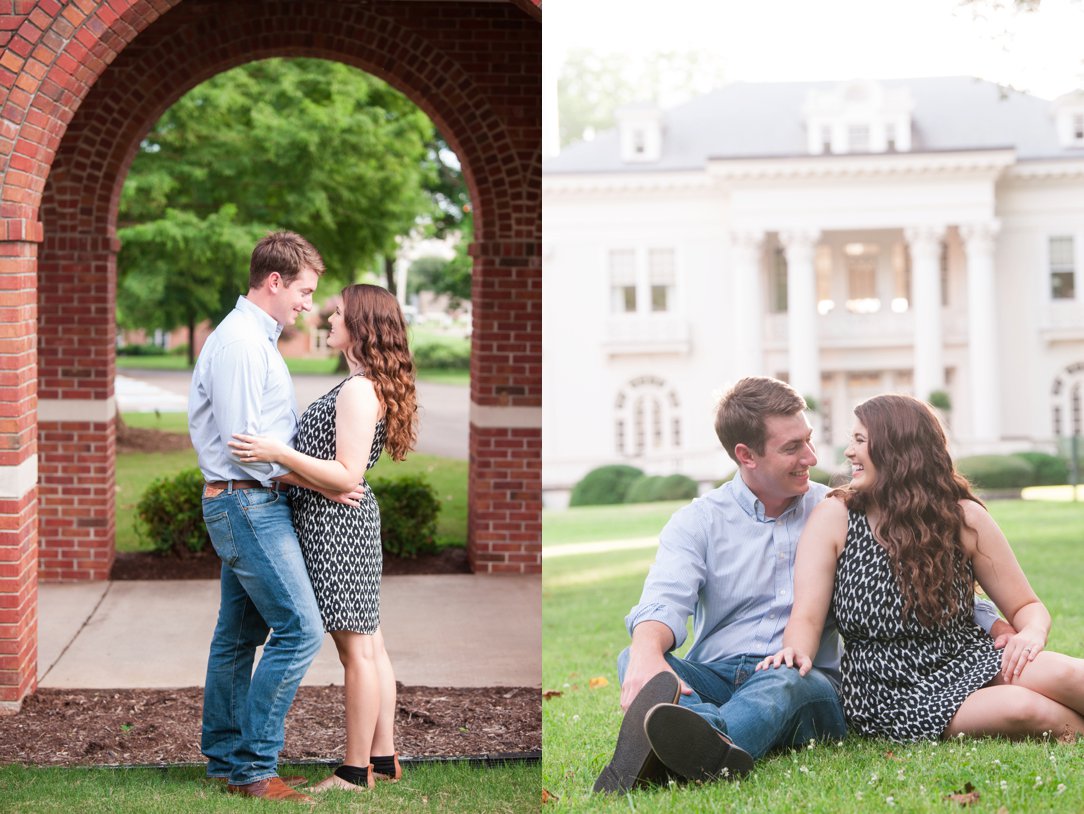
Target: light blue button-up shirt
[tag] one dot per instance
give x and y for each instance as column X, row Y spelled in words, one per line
column 722, row 561
column 240, row 384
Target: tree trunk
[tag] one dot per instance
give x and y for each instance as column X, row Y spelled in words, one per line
column 389, row 273
column 191, row 340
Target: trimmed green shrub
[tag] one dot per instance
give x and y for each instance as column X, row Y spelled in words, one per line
column 169, row 515
column 442, row 355
column 997, row 471
column 149, row 349
column 652, row 488
column 604, row 486
column 408, row 515
column 1050, row 470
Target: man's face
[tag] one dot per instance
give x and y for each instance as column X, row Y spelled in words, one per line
column 291, row 300
column 782, row 472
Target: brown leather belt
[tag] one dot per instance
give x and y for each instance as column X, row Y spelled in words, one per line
column 216, row 487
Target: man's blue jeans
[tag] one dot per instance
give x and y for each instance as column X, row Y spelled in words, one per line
column 265, row 587
column 758, row 711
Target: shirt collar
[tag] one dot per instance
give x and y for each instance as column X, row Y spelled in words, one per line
column 263, row 319
column 753, row 505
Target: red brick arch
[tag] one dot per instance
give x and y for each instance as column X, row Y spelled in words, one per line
column 84, row 82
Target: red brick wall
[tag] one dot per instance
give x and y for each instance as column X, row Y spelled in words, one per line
column 81, row 83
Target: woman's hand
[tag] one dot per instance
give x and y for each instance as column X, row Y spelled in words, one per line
column 1021, row 649
column 257, row 448
column 790, row 657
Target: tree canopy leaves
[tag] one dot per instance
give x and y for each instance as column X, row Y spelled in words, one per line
column 308, row 145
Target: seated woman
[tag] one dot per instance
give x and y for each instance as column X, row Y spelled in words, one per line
column 895, row 556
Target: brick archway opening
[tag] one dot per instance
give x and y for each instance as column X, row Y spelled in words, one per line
column 89, row 85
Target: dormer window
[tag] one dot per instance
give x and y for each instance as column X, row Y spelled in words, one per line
column 640, row 130
column 1069, row 119
column 858, row 117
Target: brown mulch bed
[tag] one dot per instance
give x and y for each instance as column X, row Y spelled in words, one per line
column 143, row 727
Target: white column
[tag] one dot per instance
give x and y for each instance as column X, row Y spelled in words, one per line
column 925, row 243
column 747, row 310
column 803, row 350
column 979, row 243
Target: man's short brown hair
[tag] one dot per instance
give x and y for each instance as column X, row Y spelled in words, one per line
column 285, row 252
column 740, row 416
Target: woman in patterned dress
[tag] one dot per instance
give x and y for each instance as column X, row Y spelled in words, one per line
column 895, row 556
column 339, row 436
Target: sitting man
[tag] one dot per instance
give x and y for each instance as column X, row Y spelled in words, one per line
column 727, row 559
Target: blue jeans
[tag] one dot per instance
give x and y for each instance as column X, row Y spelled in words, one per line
column 265, row 587
column 758, row 711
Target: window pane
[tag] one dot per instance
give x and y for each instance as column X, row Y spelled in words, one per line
column 660, row 298
column 1062, row 285
column 623, row 281
column 778, row 282
column 1062, row 268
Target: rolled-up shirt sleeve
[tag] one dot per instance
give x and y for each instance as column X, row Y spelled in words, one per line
column 985, row 613
column 241, row 378
column 674, row 581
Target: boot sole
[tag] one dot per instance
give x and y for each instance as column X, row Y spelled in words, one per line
column 633, row 762
column 691, row 747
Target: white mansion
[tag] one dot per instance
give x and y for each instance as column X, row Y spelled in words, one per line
column 921, row 236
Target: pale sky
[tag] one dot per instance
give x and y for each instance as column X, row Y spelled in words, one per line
column 781, row 40
column 1041, row 52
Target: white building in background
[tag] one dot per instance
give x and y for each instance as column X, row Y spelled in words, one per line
column 908, row 236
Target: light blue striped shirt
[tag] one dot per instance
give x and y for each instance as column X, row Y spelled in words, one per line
column 240, row 384
column 722, row 561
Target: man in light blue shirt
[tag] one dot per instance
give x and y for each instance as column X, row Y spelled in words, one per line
column 241, row 385
column 727, row 560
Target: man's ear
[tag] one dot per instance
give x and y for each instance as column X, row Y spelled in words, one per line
column 745, row 456
column 274, row 281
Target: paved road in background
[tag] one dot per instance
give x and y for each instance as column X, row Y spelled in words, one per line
column 444, row 409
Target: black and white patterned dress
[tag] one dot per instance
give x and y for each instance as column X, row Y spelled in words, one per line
column 341, row 544
column 901, row 680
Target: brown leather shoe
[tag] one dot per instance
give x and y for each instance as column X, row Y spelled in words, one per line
column 293, row 780
column 270, row 788
column 391, row 778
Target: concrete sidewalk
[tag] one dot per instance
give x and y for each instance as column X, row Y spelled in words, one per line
column 440, row 631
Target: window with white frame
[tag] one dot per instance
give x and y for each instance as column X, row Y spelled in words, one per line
column 1078, row 127
column 858, row 138
column 647, row 418
column 623, row 281
column 1062, row 268
column 661, row 278
column 777, row 282
column 642, row 281
column 860, row 260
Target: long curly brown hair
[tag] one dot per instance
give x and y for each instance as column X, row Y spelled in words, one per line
column 917, row 492
column 378, row 341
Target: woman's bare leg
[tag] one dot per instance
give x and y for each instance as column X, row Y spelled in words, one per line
column 1055, row 675
column 358, row 653
column 1014, row 712
column 384, row 735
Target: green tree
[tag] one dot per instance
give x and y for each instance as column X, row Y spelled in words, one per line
column 592, row 85
column 308, row 145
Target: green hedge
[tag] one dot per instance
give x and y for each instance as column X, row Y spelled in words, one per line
column 408, row 515
column 604, row 486
column 169, row 515
column 442, row 355
column 653, row 488
column 997, row 471
column 1050, row 470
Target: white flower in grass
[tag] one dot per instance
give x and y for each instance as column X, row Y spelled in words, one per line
column 1004, row 785
column 1061, row 788
column 997, row 762
column 891, row 801
column 873, row 778
column 803, row 769
column 811, row 744
column 1038, row 781
column 899, row 774
column 858, row 795
column 575, row 718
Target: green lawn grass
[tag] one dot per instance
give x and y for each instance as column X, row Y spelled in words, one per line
column 317, row 366
column 447, row 787
column 135, row 470
column 584, row 601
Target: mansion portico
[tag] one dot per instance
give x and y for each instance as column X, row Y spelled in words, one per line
column 920, row 236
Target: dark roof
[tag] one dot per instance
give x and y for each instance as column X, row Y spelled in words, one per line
column 766, row 120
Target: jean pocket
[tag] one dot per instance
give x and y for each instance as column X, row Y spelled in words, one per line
column 221, row 533
column 258, row 498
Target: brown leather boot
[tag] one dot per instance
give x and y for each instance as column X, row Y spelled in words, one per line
column 270, row 788
column 391, row 778
column 294, row 780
